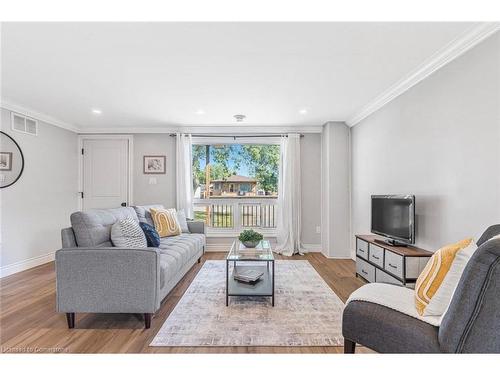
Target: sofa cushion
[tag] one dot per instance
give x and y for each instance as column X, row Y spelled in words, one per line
column 128, row 234
column 144, row 213
column 152, row 236
column 176, row 252
column 93, row 227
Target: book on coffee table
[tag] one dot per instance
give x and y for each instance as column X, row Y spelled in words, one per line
column 248, row 276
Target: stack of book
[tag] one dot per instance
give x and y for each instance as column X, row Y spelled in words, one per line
column 248, row 276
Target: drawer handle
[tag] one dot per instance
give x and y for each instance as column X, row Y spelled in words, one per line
column 366, row 273
column 392, row 265
column 376, row 257
column 361, row 251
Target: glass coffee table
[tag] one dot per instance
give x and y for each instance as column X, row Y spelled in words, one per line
column 260, row 259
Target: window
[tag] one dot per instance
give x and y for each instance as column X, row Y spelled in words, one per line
column 236, row 185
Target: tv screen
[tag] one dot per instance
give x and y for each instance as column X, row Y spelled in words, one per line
column 393, row 216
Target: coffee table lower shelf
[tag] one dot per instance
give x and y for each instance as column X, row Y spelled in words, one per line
column 263, row 288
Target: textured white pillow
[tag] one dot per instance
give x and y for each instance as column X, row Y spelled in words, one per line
column 181, row 219
column 442, row 298
column 494, row 237
column 128, row 234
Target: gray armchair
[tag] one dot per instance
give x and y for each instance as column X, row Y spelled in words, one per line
column 92, row 276
column 471, row 324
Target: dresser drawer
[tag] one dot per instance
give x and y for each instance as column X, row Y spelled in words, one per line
column 393, row 263
column 365, row 270
column 376, row 255
column 383, row 277
column 362, row 248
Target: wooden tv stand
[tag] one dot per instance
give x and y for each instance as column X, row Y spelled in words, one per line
column 377, row 261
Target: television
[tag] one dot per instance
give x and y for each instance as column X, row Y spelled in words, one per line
column 393, row 217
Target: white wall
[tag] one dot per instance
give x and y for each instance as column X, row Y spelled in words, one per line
column 335, row 217
column 441, row 142
column 38, row 205
column 164, row 190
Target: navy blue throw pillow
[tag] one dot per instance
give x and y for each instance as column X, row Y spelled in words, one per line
column 152, row 236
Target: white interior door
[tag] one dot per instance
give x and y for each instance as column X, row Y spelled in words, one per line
column 105, row 173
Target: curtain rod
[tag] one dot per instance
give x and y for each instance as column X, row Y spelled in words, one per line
column 236, row 136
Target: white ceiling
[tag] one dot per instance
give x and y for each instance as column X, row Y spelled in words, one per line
column 160, row 74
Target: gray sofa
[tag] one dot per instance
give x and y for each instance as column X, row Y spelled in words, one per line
column 92, row 276
column 471, row 324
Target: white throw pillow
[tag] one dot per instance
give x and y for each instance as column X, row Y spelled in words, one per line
column 494, row 237
column 128, row 234
column 181, row 219
column 442, row 298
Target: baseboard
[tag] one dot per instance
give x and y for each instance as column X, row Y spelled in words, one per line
column 226, row 246
column 23, row 265
column 340, row 258
column 311, row 247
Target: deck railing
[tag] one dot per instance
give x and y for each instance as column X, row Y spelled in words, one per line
column 227, row 215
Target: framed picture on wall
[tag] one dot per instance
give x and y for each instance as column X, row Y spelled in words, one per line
column 5, row 161
column 154, row 164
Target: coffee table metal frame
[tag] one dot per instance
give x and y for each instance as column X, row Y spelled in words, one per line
column 263, row 288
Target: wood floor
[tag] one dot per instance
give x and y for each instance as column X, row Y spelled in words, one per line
column 29, row 323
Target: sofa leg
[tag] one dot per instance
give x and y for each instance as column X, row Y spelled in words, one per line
column 70, row 318
column 349, row 347
column 199, row 260
column 147, row 320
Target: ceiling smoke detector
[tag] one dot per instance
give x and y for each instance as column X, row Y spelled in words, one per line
column 239, row 118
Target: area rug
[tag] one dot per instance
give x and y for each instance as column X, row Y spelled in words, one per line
column 306, row 312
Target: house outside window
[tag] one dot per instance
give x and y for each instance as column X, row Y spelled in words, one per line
column 235, row 184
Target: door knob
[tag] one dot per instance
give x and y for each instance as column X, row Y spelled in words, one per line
column 124, row 204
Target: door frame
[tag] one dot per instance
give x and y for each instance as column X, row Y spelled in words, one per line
column 130, row 182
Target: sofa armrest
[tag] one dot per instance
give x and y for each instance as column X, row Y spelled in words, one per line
column 108, row 280
column 196, row 226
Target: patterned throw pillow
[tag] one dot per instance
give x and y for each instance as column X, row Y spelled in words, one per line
column 166, row 222
column 128, row 234
column 152, row 236
column 434, row 272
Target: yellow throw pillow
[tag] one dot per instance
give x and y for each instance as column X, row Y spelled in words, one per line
column 434, row 272
column 165, row 221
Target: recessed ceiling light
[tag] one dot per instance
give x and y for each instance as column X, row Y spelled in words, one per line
column 200, row 112
column 303, row 111
column 96, row 111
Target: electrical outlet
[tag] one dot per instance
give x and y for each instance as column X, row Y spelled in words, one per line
column 318, row 229
column 152, row 180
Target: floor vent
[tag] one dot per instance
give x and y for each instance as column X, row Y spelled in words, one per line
column 23, row 124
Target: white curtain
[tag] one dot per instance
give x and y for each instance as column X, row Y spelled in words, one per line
column 288, row 231
column 184, row 174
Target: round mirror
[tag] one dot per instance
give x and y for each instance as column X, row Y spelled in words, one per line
column 11, row 160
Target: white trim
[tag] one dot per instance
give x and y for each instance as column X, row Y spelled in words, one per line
column 23, row 265
column 450, row 52
column 130, row 182
column 209, row 129
column 330, row 257
column 38, row 116
column 311, row 247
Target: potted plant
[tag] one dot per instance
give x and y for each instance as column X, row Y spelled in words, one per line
column 250, row 238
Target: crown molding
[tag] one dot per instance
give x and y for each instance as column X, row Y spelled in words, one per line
column 219, row 129
column 28, row 112
column 450, row 52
